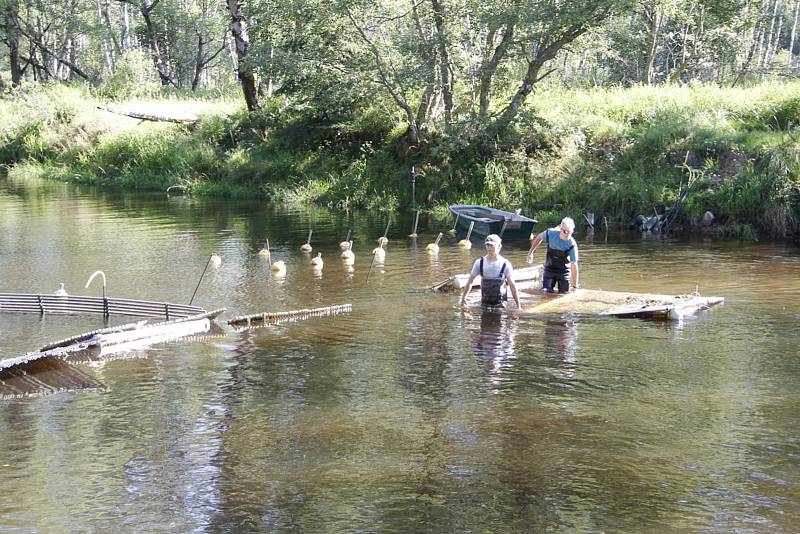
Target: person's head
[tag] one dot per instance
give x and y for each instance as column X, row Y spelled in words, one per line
column 567, row 227
column 493, row 243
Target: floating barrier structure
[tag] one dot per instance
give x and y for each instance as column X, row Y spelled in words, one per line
column 244, row 322
column 49, row 371
column 75, row 304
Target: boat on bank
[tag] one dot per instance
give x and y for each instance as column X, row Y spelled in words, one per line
column 509, row 226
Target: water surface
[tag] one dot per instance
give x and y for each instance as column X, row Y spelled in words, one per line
column 406, row 414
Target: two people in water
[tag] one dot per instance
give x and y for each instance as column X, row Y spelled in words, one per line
column 560, row 266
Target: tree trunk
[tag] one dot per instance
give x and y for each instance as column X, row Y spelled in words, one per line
column 654, row 14
column 768, row 44
column 794, row 34
column 241, row 41
column 539, row 56
column 489, row 67
column 125, row 28
column 444, row 63
column 152, row 38
column 12, row 36
column 429, row 97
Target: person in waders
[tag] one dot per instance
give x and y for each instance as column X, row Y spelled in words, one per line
column 561, row 262
column 495, row 272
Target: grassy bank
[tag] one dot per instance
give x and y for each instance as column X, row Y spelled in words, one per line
column 615, row 152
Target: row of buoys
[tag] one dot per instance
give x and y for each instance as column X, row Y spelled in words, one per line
column 348, row 257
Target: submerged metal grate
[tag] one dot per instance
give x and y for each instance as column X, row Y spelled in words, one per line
column 76, row 304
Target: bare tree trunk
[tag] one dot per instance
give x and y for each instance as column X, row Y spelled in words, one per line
column 654, row 15
column 429, row 98
column 11, row 24
column 794, row 34
column 539, row 56
column 490, row 64
column 444, row 63
column 125, row 28
column 768, row 44
column 108, row 53
column 386, row 82
column 774, row 48
column 241, row 41
column 155, row 49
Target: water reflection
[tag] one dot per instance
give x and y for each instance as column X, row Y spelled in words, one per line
column 495, row 343
column 386, row 418
column 561, row 344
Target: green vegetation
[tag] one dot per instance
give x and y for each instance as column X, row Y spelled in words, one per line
column 615, row 152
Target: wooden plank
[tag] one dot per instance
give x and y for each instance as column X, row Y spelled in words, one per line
column 624, row 304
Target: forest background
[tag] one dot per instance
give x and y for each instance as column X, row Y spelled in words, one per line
column 605, row 106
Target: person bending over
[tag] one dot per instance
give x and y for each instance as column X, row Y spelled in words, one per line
column 561, row 261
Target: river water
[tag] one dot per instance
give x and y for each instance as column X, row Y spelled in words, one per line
column 406, row 414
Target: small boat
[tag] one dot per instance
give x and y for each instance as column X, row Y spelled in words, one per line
column 509, row 226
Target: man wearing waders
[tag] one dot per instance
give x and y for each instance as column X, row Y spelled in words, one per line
column 495, row 271
column 561, row 262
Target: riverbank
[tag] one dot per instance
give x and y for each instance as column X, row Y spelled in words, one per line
column 615, row 152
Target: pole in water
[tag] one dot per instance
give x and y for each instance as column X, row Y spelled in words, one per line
column 466, row 243
column 201, row 279
column 370, row 268
column 452, row 231
column 413, row 188
column 382, row 240
column 416, row 222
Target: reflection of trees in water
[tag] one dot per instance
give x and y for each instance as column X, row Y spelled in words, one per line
column 561, row 344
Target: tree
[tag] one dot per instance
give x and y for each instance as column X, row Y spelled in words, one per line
column 244, row 68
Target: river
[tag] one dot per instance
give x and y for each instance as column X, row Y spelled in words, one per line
column 406, row 414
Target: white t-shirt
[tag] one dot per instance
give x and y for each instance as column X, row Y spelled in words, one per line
column 491, row 269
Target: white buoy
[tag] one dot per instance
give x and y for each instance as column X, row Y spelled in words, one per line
column 215, row 260
column 264, row 252
column 278, row 268
column 307, row 245
column 61, row 292
column 345, row 245
column 317, row 263
column 348, row 256
column 433, row 248
column 466, row 243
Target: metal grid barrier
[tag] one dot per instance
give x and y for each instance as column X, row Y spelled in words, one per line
column 42, row 304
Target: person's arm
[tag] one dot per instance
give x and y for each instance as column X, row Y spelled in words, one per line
column 534, row 244
column 513, row 287
column 574, row 269
column 467, row 289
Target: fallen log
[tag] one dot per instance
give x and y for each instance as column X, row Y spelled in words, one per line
column 185, row 118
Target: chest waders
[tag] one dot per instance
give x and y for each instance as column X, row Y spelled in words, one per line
column 490, row 288
column 556, row 263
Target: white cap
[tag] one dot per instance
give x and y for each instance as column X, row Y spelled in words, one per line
column 494, row 239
